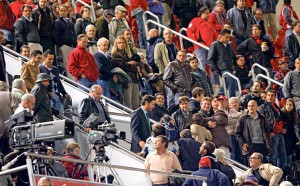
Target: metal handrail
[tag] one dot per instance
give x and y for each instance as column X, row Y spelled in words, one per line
column 235, row 163
column 261, row 67
column 235, row 78
column 180, row 38
column 16, row 169
column 178, row 34
column 85, row 4
column 145, row 19
column 269, row 79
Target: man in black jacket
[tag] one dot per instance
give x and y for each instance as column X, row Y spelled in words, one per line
column 253, row 95
column 153, row 40
column 83, row 22
column 183, row 116
column 292, row 45
column 2, row 60
column 159, row 109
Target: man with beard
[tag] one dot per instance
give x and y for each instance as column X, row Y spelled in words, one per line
column 254, row 95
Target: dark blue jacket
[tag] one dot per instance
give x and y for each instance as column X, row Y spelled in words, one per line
column 189, row 156
column 156, row 8
column 64, row 33
column 214, row 178
column 105, row 65
column 267, row 6
column 194, row 106
column 150, row 49
column 158, row 112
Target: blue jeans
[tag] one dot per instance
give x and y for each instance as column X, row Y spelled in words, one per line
column 105, row 88
column 278, row 156
column 86, row 83
column 236, row 153
column 170, row 97
column 230, row 84
column 141, row 30
column 57, row 104
column 201, row 54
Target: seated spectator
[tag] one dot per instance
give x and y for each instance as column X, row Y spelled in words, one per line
column 27, row 103
column 206, row 150
column 75, row 170
column 56, row 166
column 18, row 88
column 102, row 22
column 265, row 173
column 253, row 95
column 188, row 151
column 90, row 31
column 82, row 23
column 213, row 176
column 199, row 77
column 206, row 107
column 130, row 44
column 161, row 160
column 25, row 51
column 279, row 76
column 242, row 72
column 198, row 131
column 250, row 180
column 159, row 109
column 197, row 96
column 183, row 116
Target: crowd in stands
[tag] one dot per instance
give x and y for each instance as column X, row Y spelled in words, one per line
column 196, row 125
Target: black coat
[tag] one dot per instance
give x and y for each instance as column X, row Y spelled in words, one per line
column 189, row 156
column 42, row 109
column 158, row 112
column 2, row 65
column 80, row 26
column 246, row 98
column 291, row 49
column 46, row 19
column 180, row 124
column 139, row 129
column 242, row 74
column 290, row 137
column 194, row 106
column 105, row 65
column 64, row 33
column 102, row 27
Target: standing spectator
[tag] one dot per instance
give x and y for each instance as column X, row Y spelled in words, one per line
column 287, row 17
column 161, row 160
column 42, row 109
column 213, row 176
column 282, row 71
column 185, row 10
column 206, row 109
column 81, row 63
column 202, row 31
column 232, row 39
column 130, row 44
column 155, row 7
column 111, row 4
column 2, row 60
column 265, row 173
column 31, row 69
column 118, row 23
column 198, row 131
column 241, row 19
column 183, row 116
column 242, row 71
column 8, row 106
column 105, row 65
column 217, row 17
column 71, row 13
column 221, row 59
column 43, row 18
column 257, row 14
column 26, row 32
column 269, row 15
column 153, row 40
column 165, row 52
column 7, row 20
column 18, row 88
column 253, row 95
column 168, row 12
column 253, row 132
column 292, row 45
column 273, row 115
column 137, row 10
column 177, row 79
column 140, row 125
column 121, row 59
column 90, row 31
column 102, row 22
column 197, row 96
column 83, row 22
column 25, row 51
column 159, row 109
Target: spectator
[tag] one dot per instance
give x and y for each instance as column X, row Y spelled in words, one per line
column 18, row 88
column 253, row 95
column 282, row 71
column 206, row 150
column 185, row 11
column 183, row 116
column 108, row 4
column 202, row 31
column 159, row 109
column 57, row 167
column 16, row 8
column 263, row 95
column 257, row 49
column 83, row 22
column 165, row 52
column 44, row 181
column 8, row 105
column 137, row 10
column 198, row 131
column 130, row 44
column 90, row 31
column 232, row 39
column 197, row 96
column 214, row 177
column 154, row 38
column 188, row 151
column 168, row 12
column 43, row 18
column 257, row 14
column 26, row 32
column 118, row 23
column 221, row 59
column 81, row 63
column 253, row 132
column 42, row 109
column 102, row 23
column 71, row 13
column 250, row 180
column 161, row 160
column 121, row 59
column 7, row 21
column 177, row 78
column 27, row 103
column 105, row 65
column 269, row 15
column 25, row 51
column 206, row 109
column 140, row 124
column 241, row 19
column 155, row 7
column 217, row 17
column 93, row 104
column 31, row 69
column 57, row 90
column 200, row 77
column 273, row 115
column 55, row 9
column 266, row 174
column 292, row 45
column 287, row 17
column 242, row 71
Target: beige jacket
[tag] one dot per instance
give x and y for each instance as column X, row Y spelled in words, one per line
column 113, row 26
column 200, row 133
column 267, row 171
column 161, row 56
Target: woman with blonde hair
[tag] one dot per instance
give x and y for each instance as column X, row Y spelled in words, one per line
column 130, row 44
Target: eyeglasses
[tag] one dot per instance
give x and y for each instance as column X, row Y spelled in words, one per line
column 253, row 158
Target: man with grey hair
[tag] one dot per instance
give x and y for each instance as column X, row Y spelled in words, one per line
column 8, row 105
column 118, row 23
column 92, row 41
column 44, row 181
column 18, row 88
column 27, row 103
column 105, row 65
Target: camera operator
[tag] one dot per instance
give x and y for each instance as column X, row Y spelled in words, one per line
column 91, row 105
column 27, row 103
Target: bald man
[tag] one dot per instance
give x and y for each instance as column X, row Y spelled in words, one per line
column 27, row 103
column 44, row 181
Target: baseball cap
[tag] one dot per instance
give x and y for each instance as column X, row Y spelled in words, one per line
column 204, row 162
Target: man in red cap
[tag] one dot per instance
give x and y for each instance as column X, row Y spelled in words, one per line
column 213, row 176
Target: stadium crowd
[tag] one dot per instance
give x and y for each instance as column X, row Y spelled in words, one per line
column 182, row 119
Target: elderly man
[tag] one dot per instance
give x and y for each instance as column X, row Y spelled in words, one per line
column 27, row 103
column 105, row 65
column 44, row 181
column 18, row 88
column 266, row 174
column 91, row 33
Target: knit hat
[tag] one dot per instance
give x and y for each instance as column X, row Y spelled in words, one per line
column 204, row 162
column 251, row 179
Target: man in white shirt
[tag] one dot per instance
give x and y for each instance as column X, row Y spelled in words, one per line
column 27, row 103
